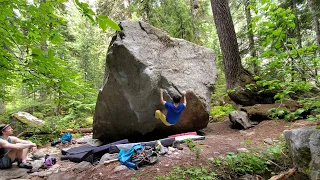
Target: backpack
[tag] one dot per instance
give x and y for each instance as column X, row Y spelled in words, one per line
column 146, row 157
column 66, row 137
column 138, row 156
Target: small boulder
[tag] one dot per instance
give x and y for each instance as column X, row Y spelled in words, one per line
column 268, row 141
column 37, row 155
column 82, row 166
column 240, row 120
column 108, row 157
column 37, row 164
column 171, row 149
column 242, row 150
column 22, row 121
column 120, row 168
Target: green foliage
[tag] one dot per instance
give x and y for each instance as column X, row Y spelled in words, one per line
column 32, row 34
column 276, row 152
column 44, row 135
column 247, row 142
column 217, row 98
column 283, row 113
column 311, row 105
column 86, row 47
column 78, row 114
column 42, row 108
column 193, row 147
column 174, row 17
column 311, row 109
column 232, row 166
column 220, row 112
column 284, row 60
column 254, row 162
column 24, row 28
column 246, row 163
column 190, row 173
column 283, row 89
column 41, row 71
column 102, row 20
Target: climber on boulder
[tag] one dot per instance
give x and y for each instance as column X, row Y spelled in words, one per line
column 174, row 109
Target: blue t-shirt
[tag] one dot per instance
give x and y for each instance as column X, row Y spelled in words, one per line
column 174, row 113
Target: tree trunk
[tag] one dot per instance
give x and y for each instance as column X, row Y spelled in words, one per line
column 182, row 29
column 228, row 42
column 298, row 35
column 43, row 94
column 297, row 22
column 147, row 9
column 250, row 35
column 316, row 26
column 2, row 108
column 315, row 22
column 59, row 107
column 236, row 76
column 126, row 4
column 193, row 7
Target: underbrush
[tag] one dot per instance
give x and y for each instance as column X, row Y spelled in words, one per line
column 219, row 113
column 74, row 114
column 189, row 172
column 265, row 162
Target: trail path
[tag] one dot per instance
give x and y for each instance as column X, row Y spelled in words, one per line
column 220, row 139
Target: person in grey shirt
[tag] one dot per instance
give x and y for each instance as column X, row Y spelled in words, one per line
column 13, row 149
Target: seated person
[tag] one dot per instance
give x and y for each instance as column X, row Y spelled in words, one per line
column 174, row 109
column 13, row 149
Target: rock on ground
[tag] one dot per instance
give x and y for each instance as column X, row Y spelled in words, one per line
column 21, row 121
column 240, row 120
column 304, row 149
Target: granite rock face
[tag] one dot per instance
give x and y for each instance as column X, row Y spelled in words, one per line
column 141, row 59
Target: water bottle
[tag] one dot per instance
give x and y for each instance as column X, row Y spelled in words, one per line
column 130, row 165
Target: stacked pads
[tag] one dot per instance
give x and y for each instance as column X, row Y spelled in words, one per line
column 133, row 155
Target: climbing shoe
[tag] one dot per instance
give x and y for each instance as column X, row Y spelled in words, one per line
column 25, row 165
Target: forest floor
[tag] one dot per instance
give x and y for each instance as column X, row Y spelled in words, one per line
column 219, row 139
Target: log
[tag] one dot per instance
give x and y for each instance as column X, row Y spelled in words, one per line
column 284, row 175
column 29, row 133
column 80, row 130
column 21, row 134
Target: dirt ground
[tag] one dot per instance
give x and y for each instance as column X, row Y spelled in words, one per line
column 219, row 139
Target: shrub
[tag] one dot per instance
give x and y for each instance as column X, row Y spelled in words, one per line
column 220, row 112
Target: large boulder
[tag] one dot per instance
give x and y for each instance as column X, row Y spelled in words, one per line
column 24, row 121
column 304, row 149
column 298, row 143
column 315, row 155
column 140, row 60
